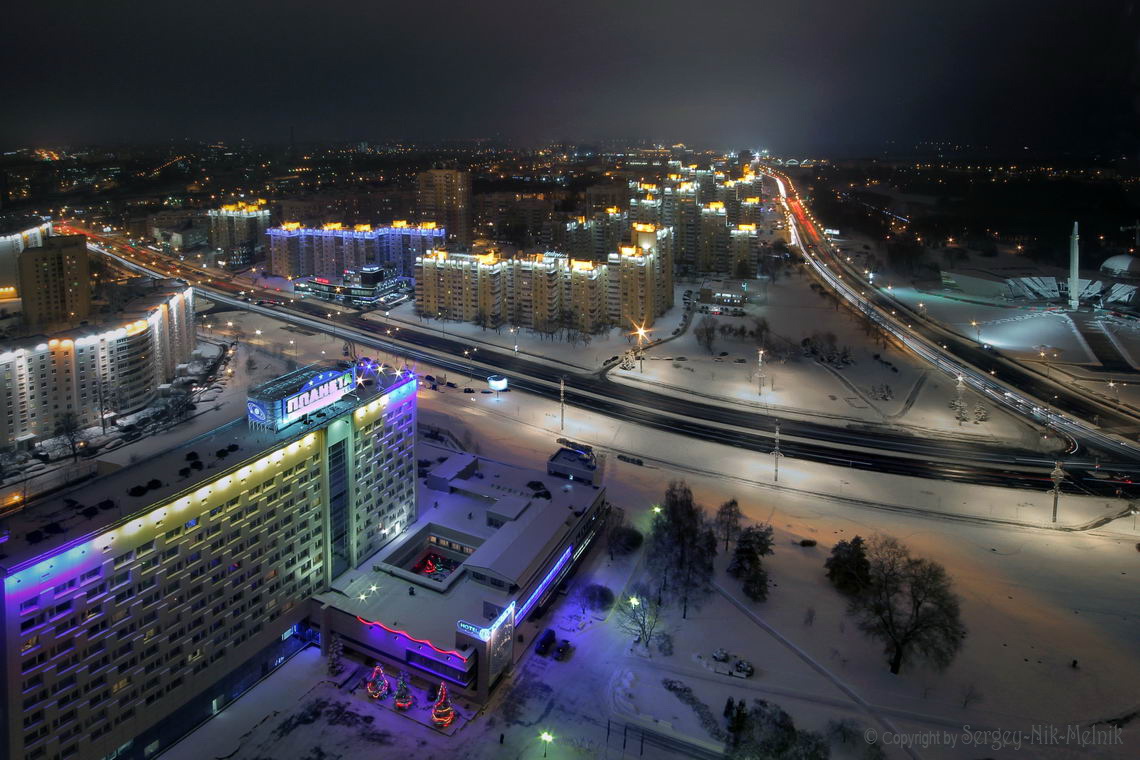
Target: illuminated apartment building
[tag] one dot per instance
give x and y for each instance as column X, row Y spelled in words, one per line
column 55, row 282
column 640, row 278
column 237, row 230
column 142, row 602
column 443, row 196
column 712, row 246
column 112, row 366
column 15, row 236
column 461, row 286
column 595, row 238
column 744, row 250
column 544, row 292
column 330, row 250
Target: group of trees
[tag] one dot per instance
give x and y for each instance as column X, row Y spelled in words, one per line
column 681, row 549
column 903, row 601
column 707, row 329
column 823, row 346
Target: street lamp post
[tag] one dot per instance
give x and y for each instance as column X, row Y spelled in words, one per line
column 562, row 402
column 641, row 335
column 1057, row 476
column 546, row 738
column 776, row 453
column 760, row 371
column 977, row 329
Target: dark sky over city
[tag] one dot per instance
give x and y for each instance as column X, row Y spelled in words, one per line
column 815, row 75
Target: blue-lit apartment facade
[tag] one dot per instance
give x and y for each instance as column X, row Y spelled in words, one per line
column 327, row 251
column 141, row 603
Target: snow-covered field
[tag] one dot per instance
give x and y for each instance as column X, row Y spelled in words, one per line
column 894, row 390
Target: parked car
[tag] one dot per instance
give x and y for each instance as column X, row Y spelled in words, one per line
column 467, row 390
column 545, row 641
column 744, row 668
column 450, row 384
column 720, row 655
column 563, row 650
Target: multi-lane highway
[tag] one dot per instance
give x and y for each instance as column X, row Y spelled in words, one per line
column 1004, row 382
column 883, row 451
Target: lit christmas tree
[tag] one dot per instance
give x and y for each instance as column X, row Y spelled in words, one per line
column 377, row 683
column 403, row 698
column 442, row 713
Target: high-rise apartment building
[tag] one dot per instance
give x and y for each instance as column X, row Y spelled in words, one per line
column 330, row 250
column 443, row 196
column 142, row 602
column 237, row 230
column 55, row 282
column 551, row 290
column 15, row 236
column 113, row 366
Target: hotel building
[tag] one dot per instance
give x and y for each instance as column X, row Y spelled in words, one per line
column 145, row 601
column 140, row 603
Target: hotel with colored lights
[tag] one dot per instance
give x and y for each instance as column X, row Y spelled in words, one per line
column 143, row 602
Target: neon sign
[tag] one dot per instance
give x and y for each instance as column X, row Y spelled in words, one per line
column 484, row 634
column 320, row 391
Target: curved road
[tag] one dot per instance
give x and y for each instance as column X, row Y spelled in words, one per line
column 888, row 452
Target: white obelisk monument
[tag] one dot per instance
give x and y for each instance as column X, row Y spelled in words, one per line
column 1074, row 275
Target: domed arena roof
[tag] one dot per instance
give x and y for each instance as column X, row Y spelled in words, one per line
column 1121, row 265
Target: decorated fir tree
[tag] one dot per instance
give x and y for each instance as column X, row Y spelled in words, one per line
column 403, row 697
column 377, row 683
column 442, row 713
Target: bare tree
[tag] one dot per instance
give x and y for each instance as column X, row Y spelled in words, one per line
column 727, row 521
column 909, row 606
column 67, row 426
column 638, row 615
column 705, row 333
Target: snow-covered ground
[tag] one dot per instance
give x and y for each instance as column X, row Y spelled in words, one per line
column 895, row 390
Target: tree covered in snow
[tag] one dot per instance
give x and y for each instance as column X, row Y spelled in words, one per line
column 767, row 731
column 747, row 565
column 336, row 652
column 909, row 606
column 681, row 549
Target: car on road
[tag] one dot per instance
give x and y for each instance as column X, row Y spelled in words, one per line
column 451, row 385
column 468, row 390
column 545, row 641
column 563, row 650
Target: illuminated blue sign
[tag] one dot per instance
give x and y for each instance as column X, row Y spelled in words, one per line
column 257, row 411
column 484, row 634
column 320, row 391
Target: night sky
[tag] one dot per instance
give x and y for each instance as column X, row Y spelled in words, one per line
column 796, row 75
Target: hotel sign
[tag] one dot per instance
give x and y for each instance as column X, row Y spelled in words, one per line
column 320, row 391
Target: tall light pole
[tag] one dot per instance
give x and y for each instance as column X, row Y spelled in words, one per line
column 776, row 453
column 977, row 329
column 641, row 335
column 562, row 401
column 1057, row 476
column 760, row 371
